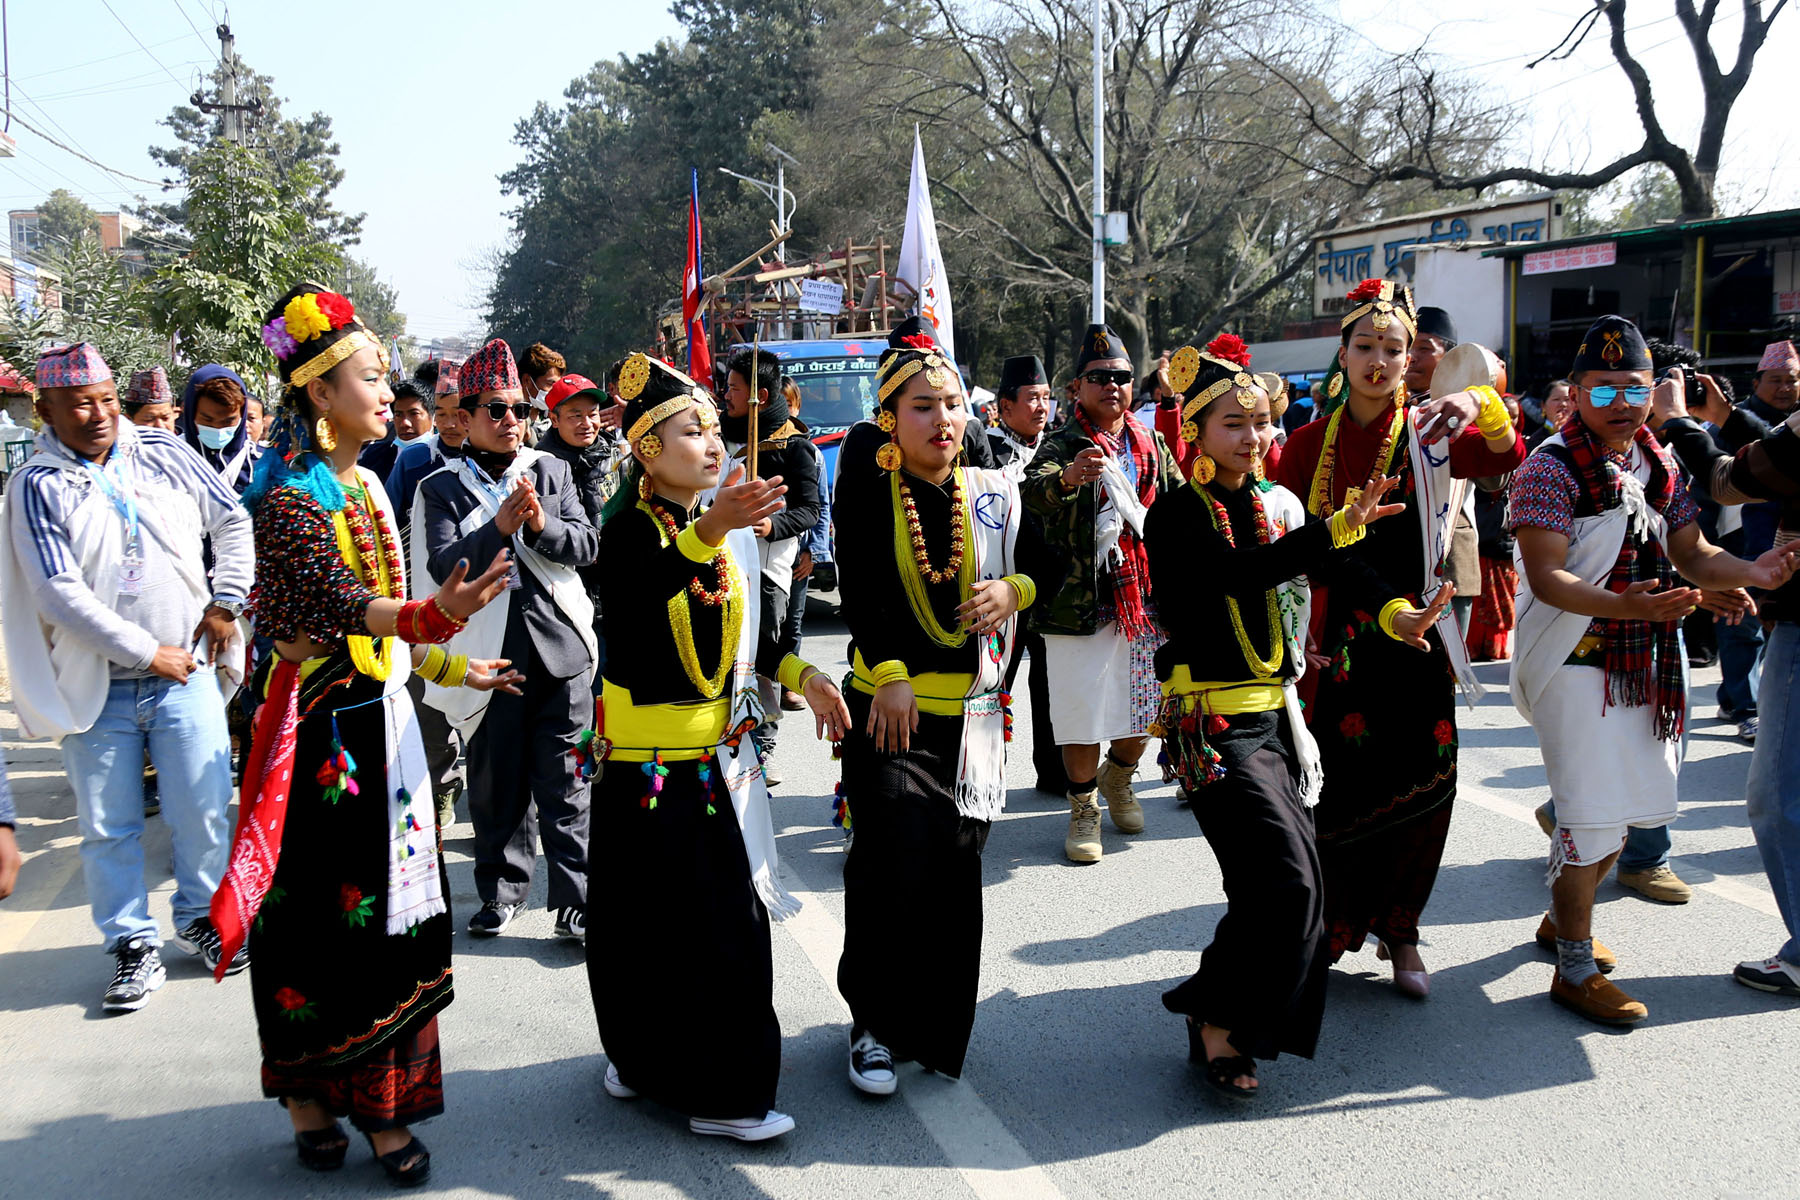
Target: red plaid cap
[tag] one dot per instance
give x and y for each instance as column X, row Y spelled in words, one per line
column 489, row 369
column 446, row 380
column 1779, row 356
column 72, row 366
column 149, row 387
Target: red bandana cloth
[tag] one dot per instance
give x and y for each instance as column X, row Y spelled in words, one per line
column 1131, row 574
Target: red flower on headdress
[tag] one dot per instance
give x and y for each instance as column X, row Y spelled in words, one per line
column 1368, row 289
column 919, row 341
column 1231, row 348
column 337, row 309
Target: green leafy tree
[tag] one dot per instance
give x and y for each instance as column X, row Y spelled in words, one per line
column 103, row 300
column 246, row 248
column 62, row 221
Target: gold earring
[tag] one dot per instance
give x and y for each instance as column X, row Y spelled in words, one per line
column 1335, row 388
column 885, row 421
column 1257, row 470
column 1204, row 469
column 644, row 490
column 324, row 435
column 888, row 457
column 649, row 446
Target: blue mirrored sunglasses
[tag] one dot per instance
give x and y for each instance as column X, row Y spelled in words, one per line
column 1606, row 395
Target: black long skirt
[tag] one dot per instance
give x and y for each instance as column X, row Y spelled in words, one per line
column 679, row 959
column 346, row 1012
column 912, row 894
column 1263, row 976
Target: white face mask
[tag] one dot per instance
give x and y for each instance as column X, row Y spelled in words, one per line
column 400, row 441
column 215, row 439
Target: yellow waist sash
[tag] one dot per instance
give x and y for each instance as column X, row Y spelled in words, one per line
column 1224, row 699
column 940, row 693
column 680, row 731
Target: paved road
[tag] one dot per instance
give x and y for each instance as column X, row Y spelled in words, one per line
column 1077, row 1084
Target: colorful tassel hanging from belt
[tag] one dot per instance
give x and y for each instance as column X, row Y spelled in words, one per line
column 657, row 773
column 338, row 775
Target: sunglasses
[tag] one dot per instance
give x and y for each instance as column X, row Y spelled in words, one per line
column 497, row 410
column 1102, row 378
column 1606, row 395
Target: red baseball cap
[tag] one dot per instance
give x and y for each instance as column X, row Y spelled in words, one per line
column 570, row 385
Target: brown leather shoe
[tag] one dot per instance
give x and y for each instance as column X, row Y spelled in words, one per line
column 1597, row 999
column 1604, row 958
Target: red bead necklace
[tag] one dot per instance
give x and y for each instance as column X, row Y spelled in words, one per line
column 370, row 540
column 953, row 566
column 721, row 591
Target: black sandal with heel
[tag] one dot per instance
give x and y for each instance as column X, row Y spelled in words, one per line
column 1222, row 1072
column 320, row 1149
column 408, row 1166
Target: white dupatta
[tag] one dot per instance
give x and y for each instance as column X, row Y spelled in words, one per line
column 995, row 515
column 1440, row 496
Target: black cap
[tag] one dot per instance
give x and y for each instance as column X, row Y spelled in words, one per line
column 1437, row 322
column 645, row 383
column 1024, row 370
column 1100, row 342
column 1612, row 344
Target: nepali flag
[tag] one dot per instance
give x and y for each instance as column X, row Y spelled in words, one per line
column 699, row 354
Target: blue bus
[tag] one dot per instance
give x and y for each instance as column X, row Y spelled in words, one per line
column 836, row 379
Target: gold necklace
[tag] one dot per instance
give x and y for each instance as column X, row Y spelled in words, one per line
column 1261, row 667
column 681, row 621
column 907, row 558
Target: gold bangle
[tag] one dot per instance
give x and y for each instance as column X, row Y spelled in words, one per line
column 1024, row 587
column 456, row 671
column 1341, row 533
column 432, row 668
column 892, row 671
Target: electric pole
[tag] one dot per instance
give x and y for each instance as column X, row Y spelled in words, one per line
column 227, row 101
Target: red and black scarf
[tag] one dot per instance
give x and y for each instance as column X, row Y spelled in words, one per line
column 1131, row 574
column 1643, row 658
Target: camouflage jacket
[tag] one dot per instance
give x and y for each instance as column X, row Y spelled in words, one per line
column 1069, row 527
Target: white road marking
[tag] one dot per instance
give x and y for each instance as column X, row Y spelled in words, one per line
column 1758, row 898
column 974, row 1140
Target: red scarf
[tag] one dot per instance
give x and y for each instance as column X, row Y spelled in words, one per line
column 1131, row 574
column 1643, row 658
column 262, row 813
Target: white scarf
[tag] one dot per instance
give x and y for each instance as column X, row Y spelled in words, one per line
column 1440, row 498
column 486, row 631
column 995, row 512
column 1294, row 598
column 59, row 683
column 1547, row 635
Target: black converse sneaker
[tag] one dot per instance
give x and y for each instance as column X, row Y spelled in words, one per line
column 571, row 923
column 140, row 972
column 493, row 918
column 871, row 1064
column 202, row 939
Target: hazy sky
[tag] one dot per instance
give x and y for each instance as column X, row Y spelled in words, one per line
column 424, row 94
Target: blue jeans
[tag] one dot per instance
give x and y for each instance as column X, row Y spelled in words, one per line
column 1740, row 664
column 1644, row 848
column 1773, row 790
column 184, row 728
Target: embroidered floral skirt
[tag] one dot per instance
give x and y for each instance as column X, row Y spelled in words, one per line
column 345, row 1012
column 1384, row 717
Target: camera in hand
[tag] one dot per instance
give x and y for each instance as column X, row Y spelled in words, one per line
column 1692, row 395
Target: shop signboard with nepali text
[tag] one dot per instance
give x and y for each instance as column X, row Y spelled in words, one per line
column 1571, row 258
column 1343, row 258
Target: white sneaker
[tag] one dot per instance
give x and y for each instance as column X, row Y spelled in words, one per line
column 771, row 1124
column 615, row 1087
column 871, row 1066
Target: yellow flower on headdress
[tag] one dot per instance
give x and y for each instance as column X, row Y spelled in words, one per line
column 304, row 320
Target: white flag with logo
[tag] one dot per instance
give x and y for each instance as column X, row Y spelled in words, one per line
column 921, row 262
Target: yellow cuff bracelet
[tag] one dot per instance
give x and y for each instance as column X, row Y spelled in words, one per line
column 1341, row 533
column 694, row 546
column 892, row 671
column 1027, row 590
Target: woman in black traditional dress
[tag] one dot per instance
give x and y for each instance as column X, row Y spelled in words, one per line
column 683, row 988
column 335, row 876
column 931, row 584
column 1233, row 558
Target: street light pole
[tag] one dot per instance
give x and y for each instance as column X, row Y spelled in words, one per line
column 777, row 191
column 1099, row 305
column 782, row 158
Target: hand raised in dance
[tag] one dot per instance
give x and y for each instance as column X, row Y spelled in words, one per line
column 1643, row 602
column 1774, row 567
column 1730, row 606
column 828, row 707
column 740, row 505
column 990, row 602
column 893, row 717
column 1411, row 623
column 487, row 675
column 1446, row 416
column 463, row 597
column 1368, row 506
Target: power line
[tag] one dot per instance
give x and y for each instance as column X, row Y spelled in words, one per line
column 64, row 130
column 91, row 62
column 180, row 8
column 156, row 183
column 107, row 5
